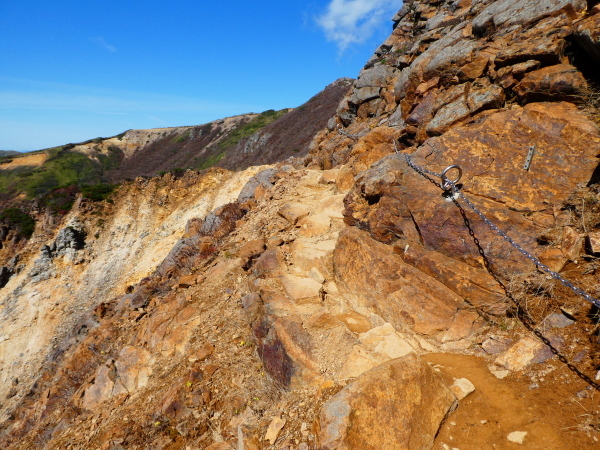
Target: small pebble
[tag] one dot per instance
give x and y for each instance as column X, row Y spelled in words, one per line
column 583, row 394
column 533, row 386
column 500, row 374
column 517, row 436
column 461, row 388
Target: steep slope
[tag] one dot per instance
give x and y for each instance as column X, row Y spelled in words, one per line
column 291, row 135
column 234, row 142
column 354, row 302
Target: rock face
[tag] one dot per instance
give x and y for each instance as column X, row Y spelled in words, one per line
column 447, row 62
column 382, row 200
column 444, row 77
column 398, row 405
column 401, row 295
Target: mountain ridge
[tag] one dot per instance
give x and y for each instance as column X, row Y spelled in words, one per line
column 349, row 299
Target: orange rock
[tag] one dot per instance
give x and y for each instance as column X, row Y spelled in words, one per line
column 203, row 352
column 210, row 369
column 401, row 294
column 355, row 322
column 561, row 81
column 186, row 281
column 270, row 262
column 571, row 243
column 472, row 283
column 251, row 249
column 384, row 200
column 553, row 258
column 373, row 413
column 292, row 212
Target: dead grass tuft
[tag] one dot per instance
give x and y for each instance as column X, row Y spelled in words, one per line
column 589, row 102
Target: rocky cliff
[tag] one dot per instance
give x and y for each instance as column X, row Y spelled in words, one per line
column 352, row 302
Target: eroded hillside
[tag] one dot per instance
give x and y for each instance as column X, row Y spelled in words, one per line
column 235, row 143
column 350, row 302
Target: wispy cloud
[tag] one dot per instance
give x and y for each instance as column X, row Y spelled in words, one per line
column 158, row 120
column 349, row 22
column 101, row 42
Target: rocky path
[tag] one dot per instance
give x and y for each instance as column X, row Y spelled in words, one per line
column 268, row 328
column 344, row 302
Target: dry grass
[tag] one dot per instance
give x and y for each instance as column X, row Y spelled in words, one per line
column 533, row 292
column 589, row 102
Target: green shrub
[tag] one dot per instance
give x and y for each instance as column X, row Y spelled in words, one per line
column 23, row 222
column 208, row 161
column 255, row 124
column 98, row 192
column 112, row 160
column 185, row 136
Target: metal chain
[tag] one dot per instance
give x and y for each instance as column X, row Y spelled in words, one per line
column 544, row 268
column 351, row 136
column 522, row 314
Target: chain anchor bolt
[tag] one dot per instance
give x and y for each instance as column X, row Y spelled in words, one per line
column 450, row 185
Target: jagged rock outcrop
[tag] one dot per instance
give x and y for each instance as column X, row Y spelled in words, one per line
column 443, row 82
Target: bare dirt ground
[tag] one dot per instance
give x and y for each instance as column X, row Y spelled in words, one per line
column 35, row 160
column 558, row 414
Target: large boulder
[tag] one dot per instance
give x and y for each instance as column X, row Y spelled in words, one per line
column 402, row 295
column 561, row 81
column 504, row 13
column 398, row 405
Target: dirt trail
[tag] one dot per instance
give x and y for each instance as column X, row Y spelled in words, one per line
column 553, row 414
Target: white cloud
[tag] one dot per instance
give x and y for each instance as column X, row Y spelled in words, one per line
column 349, row 22
column 100, row 41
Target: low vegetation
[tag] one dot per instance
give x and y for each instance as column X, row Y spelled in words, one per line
column 183, row 137
column 98, row 192
column 16, row 218
column 60, row 200
column 209, row 161
column 56, row 183
column 112, row 159
column 247, row 130
column 62, row 168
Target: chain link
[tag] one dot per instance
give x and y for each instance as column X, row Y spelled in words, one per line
column 522, row 314
column 351, row 136
column 544, row 268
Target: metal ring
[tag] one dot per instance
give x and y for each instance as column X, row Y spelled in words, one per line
column 447, row 184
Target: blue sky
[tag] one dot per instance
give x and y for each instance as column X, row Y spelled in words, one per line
column 75, row 70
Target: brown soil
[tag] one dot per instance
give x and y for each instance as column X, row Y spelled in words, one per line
column 561, row 413
column 36, row 159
